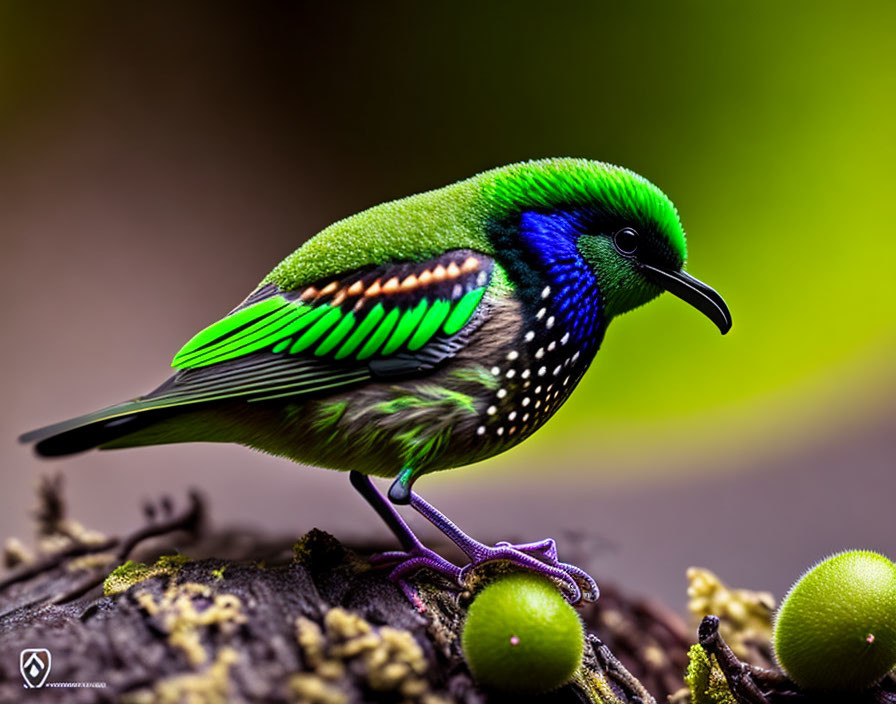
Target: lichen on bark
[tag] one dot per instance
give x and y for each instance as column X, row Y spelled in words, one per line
column 157, row 620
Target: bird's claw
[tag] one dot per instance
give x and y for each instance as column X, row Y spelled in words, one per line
column 539, row 557
column 545, row 549
column 408, row 561
column 587, row 586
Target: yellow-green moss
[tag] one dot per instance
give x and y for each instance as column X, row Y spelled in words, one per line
column 312, row 689
column 130, row 573
column 745, row 616
column 595, row 686
column 211, row 686
column 15, row 553
column 90, row 561
column 184, row 623
column 705, row 680
column 390, row 659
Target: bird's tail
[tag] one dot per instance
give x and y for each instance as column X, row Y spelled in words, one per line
column 94, row 429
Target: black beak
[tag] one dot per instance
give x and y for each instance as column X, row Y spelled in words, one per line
column 692, row 291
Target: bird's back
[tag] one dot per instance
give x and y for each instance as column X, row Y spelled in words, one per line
column 415, row 228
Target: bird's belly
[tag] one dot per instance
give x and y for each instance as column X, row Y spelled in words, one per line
column 381, row 428
column 498, row 391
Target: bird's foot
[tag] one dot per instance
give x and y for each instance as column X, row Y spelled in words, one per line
column 409, row 561
column 540, row 557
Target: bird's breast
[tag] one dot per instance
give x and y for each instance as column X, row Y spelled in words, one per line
column 542, row 359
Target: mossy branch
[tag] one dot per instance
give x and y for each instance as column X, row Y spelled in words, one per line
column 312, row 624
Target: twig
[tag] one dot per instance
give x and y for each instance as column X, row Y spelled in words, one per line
column 189, row 521
column 45, row 564
column 738, row 674
column 613, row 670
column 50, row 511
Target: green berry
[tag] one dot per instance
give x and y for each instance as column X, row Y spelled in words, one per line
column 836, row 628
column 522, row 636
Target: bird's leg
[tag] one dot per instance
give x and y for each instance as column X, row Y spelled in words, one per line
column 539, row 557
column 400, row 493
column 415, row 555
column 364, row 486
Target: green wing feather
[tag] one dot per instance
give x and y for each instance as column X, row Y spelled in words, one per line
column 332, row 334
column 395, row 320
column 369, row 323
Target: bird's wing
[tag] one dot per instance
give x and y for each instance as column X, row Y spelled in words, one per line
column 395, row 320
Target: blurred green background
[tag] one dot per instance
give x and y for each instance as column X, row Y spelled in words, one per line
column 157, row 159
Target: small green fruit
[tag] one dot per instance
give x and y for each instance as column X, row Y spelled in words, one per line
column 522, row 636
column 836, row 628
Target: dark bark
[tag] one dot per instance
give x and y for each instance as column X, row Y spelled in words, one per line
column 258, row 622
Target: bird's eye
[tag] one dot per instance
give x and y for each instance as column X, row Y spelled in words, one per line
column 626, row 241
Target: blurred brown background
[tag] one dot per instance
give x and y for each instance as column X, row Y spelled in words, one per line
column 157, row 159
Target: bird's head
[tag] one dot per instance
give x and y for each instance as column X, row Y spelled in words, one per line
column 622, row 226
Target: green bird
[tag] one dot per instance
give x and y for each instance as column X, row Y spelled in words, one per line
column 422, row 334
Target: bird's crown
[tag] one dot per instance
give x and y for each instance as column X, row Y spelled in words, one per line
column 616, row 194
column 612, row 227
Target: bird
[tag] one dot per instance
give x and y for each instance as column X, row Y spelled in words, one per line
column 420, row 335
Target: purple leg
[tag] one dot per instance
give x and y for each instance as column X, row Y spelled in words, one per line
column 539, row 557
column 415, row 555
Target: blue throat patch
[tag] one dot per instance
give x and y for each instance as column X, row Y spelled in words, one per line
column 575, row 297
